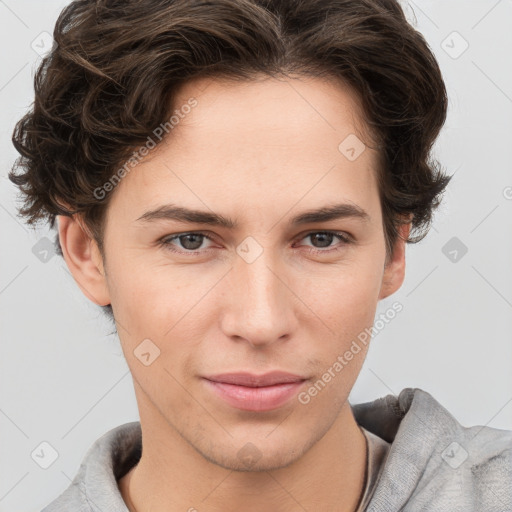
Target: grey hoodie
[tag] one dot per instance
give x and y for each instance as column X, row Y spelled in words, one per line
column 434, row 464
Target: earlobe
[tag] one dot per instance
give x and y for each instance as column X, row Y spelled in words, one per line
column 83, row 258
column 394, row 272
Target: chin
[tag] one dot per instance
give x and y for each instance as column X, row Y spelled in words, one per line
column 253, row 457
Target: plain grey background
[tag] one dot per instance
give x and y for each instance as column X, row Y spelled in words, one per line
column 64, row 380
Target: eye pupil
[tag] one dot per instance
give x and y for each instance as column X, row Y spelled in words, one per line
column 326, row 236
column 195, row 246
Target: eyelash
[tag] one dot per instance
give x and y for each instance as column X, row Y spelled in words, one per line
column 344, row 237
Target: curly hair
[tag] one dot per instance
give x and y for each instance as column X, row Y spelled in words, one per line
column 116, row 67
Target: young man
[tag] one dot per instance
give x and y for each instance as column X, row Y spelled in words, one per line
column 235, row 182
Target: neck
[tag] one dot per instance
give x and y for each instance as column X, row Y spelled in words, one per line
column 173, row 476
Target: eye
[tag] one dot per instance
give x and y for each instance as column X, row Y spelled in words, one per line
column 324, row 240
column 191, row 242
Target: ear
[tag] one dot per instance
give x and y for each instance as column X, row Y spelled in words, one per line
column 83, row 258
column 394, row 271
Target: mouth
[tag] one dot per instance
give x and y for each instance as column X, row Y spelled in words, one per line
column 250, row 392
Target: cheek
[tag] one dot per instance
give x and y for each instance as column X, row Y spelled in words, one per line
column 150, row 306
column 139, row 294
column 345, row 297
column 348, row 308
column 160, row 301
column 149, row 299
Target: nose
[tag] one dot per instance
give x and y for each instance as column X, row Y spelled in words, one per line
column 260, row 305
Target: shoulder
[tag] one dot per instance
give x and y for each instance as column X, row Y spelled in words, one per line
column 437, row 464
column 470, row 469
column 486, row 454
column 95, row 486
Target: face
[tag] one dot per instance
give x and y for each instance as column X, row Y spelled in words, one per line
column 269, row 293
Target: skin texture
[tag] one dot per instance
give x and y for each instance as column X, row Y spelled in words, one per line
column 259, row 152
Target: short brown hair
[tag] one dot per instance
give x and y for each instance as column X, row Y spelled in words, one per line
column 116, row 66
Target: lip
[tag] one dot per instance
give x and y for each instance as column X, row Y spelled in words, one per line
column 252, row 392
column 252, row 380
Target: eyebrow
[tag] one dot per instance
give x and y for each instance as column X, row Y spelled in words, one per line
column 182, row 214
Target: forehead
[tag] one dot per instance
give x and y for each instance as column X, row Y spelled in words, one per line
column 244, row 143
column 266, row 107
